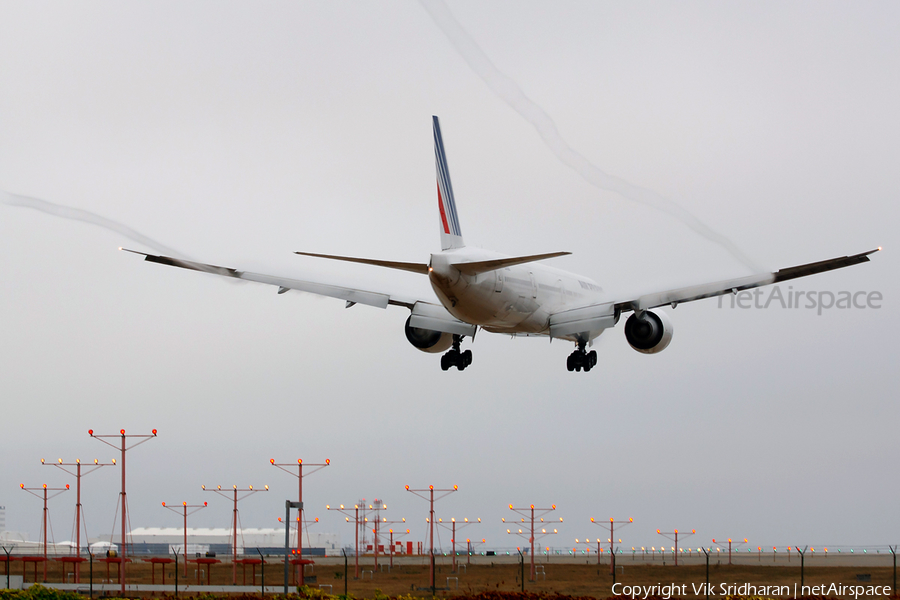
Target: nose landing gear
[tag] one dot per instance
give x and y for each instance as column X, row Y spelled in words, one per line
column 581, row 359
column 456, row 358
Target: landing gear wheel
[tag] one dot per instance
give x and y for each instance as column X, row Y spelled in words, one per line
column 455, row 357
column 581, row 360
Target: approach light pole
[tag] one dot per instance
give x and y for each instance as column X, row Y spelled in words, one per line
column 668, row 535
column 307, row 522
column 79, row 511
column 355, row 513
column 453, row 527
column 234, row 492
column 532, row 513
column 45, row 490
column 612, row 559
column 431, row 500
column 739, row 543
column 184, row 510
column 299, row 475
column 123, row 447
column 391, row 532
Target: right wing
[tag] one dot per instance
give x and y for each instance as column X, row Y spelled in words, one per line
column 350, row 295
column 719, row 288
column 589, row 321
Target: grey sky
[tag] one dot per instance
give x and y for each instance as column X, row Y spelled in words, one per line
column 240, row 133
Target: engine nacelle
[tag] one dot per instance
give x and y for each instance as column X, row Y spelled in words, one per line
column 649, row 333
column 428, row 340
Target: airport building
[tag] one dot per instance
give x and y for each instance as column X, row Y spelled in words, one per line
column 250, row 541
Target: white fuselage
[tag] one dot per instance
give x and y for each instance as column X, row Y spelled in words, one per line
column 515, row 299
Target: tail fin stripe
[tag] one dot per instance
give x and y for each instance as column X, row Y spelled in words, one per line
column 441, row 208
column 445, row 189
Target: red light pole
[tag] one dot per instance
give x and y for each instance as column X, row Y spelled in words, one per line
column 391, row 531
column 675, row 533
column 532, row 513
column 430, row 497
column 78, row 508
column 299, row 561
column 123, row 448
column 729, row 546
column 612, row 559
column 45, row 490
column 376, row 507
column 250, row 491
column 300, row 476
column 356, row 524
column 453, row 528
column 184, row 510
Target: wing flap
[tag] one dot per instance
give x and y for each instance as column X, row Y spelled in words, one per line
column 435, row 317
column 587, row 322
column 332, row 291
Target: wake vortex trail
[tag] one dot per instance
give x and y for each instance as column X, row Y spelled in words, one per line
column 510, row 92
column 77, row 214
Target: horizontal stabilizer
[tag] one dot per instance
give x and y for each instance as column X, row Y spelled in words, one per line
column 474, row 268
column 402, row 266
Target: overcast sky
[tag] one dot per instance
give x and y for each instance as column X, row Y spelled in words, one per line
column 238, row 133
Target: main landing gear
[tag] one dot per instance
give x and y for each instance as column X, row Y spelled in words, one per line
column 580, row 359
column 455, row 358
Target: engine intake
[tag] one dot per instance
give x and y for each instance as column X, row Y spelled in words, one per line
column 428, row 340
column 650, row 333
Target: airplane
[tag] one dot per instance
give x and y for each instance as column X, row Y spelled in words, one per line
column 514, row 295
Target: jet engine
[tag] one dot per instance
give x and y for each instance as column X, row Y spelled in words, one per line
column 428, row 340
column 650, row 333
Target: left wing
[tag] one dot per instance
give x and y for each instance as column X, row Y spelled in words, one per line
column 350, row 295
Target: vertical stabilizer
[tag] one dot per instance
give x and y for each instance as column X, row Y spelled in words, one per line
column 451, row 235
